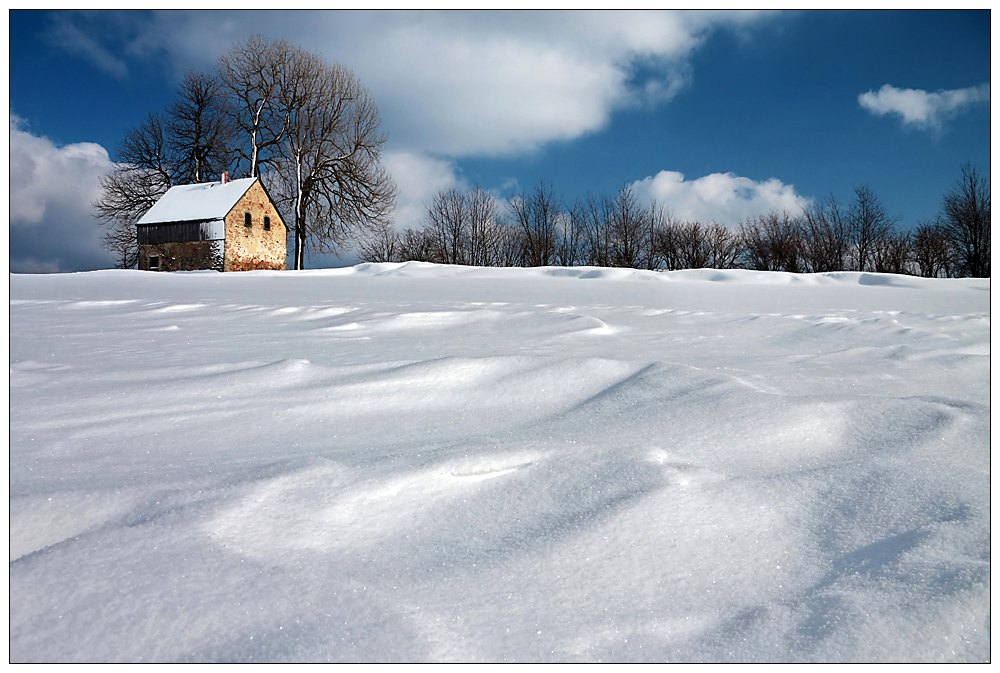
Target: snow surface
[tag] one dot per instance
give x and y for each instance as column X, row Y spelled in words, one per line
column 203, row 201
column 409, row 462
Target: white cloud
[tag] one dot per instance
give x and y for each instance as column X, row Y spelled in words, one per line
column 51, row 189
column 723, row 197
column 418, row 177
column 923, row 109
column 464, row 83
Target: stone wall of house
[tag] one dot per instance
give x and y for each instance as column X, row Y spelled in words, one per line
column 250, row 248
column 187, row 256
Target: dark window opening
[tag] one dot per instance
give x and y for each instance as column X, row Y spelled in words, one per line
column 246, row 220
column 267, row 223
column 154, row 263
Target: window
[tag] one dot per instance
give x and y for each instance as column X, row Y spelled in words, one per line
column 267, row 223
column 247, row 221
column 154, row 263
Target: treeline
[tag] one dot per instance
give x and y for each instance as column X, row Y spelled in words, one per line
column 538, row 229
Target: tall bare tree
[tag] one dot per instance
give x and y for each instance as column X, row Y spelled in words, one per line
column 331, row 153
column 965, row 220
column 188, row 143
column 251, row 72
column 569, row 238
column 447, row 223
column 869, row 223
column 142, row 174
column 629, row 225
column 485, row 231
column 595, row 215
column 312, row 132
column 465, row 228
column 536, row 215
column 825, row 237
column 199, row 132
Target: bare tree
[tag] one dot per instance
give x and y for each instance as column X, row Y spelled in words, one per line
column 199, row 133
column 416, row 245
column 931, row 250
column 570, row 236
column 465, row 228
column 692, row 248
column 121, row 240
column 595, row 216
column 772, row 242
column 965, row 219
column 252, row 73
column 380, row 244
column 825, row 238
column 142, row 174
column 485, row 230
column 330, row 154
column 314, row 127
column 892, row 253
column 510, row 248
column 447, row 225
column 629, row 229
column 536, row 215
column 724, row 246
column 667, row 241
column 188, row 143
column 869, row 223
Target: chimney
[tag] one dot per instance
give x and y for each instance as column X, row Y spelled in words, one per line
column 225, row 177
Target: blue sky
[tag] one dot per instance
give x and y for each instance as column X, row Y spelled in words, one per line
column 717, row 115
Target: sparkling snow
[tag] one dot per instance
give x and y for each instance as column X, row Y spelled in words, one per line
column 410, row 462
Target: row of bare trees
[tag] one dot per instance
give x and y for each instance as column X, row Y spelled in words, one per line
column 538, row 229
column 306, row 127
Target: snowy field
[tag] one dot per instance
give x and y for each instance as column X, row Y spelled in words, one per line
column 417, row 462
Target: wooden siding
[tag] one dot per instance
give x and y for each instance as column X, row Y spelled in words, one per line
column 179, row 232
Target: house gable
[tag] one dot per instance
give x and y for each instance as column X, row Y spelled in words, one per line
column 254, row 246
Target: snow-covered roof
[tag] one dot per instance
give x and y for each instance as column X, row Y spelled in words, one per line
column 204, row 201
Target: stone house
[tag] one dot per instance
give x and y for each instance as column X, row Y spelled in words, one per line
column 232, row 225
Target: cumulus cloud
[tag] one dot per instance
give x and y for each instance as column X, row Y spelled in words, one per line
column 460, row 83
column 51, row 189
column 418, row 177
column 723, row 197
column 923, row 109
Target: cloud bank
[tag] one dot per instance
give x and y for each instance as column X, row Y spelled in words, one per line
column 722, row 197
column 418, row 177
column 52, row 227
column 448, row 83
column 922, row 109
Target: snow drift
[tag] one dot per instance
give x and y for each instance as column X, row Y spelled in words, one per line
column 410, row 462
